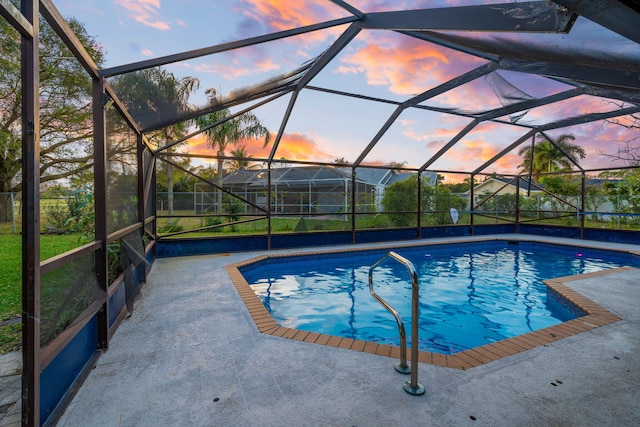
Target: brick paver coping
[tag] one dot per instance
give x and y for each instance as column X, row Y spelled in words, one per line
column 596, row 316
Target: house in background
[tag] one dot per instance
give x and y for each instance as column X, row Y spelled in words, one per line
column 489, row 194
column 305, row 189
column 502, row 185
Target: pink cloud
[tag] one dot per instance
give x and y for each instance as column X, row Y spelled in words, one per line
column 475, row 96
column 412, row 134
column 435, row 145
column 405, row 65
column 278, row 15
column 293, row 146
column 144, row 12
column 568, row 108
column 296, row 146
column 234, row 69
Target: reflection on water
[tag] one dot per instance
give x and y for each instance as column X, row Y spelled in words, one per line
column 470, row 294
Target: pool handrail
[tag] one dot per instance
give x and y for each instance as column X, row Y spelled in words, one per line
column 412, row 386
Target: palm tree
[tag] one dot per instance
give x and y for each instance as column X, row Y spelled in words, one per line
column 156, row 94
column 548, row 158
column 230, row 133
column 242, row 160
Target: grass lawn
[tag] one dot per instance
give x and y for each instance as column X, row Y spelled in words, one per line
column 11, row 281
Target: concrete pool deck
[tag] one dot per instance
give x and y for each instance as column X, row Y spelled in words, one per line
column 191, row 354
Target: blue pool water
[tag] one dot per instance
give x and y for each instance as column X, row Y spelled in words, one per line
column 471, row 294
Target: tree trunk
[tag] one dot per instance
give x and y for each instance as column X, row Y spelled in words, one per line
column 169, row 189
column 6, row 209
column 219, row 181
column 6, row 214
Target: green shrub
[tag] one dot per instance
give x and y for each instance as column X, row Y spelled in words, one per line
column 301, row 226
column 75, row 215
column 171, row 226
column 212, row 221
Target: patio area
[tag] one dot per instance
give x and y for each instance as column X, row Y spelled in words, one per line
column 190, row 354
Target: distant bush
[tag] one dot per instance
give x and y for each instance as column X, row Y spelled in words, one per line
column 212, row 221
column 171, row 226
column 73, row 214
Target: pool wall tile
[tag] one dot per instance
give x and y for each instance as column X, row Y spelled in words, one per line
column 451, row 361
column 312, row 337
column 323, row 339
column 395, row 352
column 300, row 335
column 370, row 347
column 466, row 360
column 482, row 354
column 424, row 357
column 358, row 345
column 333, row 341
column 346, row 343
column 384, row 350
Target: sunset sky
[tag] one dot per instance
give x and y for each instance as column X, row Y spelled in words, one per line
column 380, row 64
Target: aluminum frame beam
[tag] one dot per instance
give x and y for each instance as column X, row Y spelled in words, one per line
column 534, row 16
column 532, row 60
column 283, row 125
column 587, row 118
column 455, row 82
column 612, row 14
column 31, row 354
column 307, row 73
column 62, row 29
column 468, row 128
column 328, row 55
column 210, row 109
column 435, row 38
column 348, row 8
column 581, row 73
column 219, row 122
column 197, row 53
column 561, row 150
column 498, row 112
column 533, row 103
column 504, row 151
column 9, row 12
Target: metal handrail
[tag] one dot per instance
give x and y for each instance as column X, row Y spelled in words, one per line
column 411, row 387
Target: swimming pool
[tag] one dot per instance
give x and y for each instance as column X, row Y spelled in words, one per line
column 472, row 294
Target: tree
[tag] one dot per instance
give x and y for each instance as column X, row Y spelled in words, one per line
column 65, row 109
column 182, row 181
column 230, row 133
column 461, row 187
column 548, row 158
column 630, row 152
column 242, row 160
column 155, row 94
column 563, row 192
column 397, row 165
column 400, row 201
column 625, row 194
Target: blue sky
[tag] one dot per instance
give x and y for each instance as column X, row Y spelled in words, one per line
column 377, row 63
